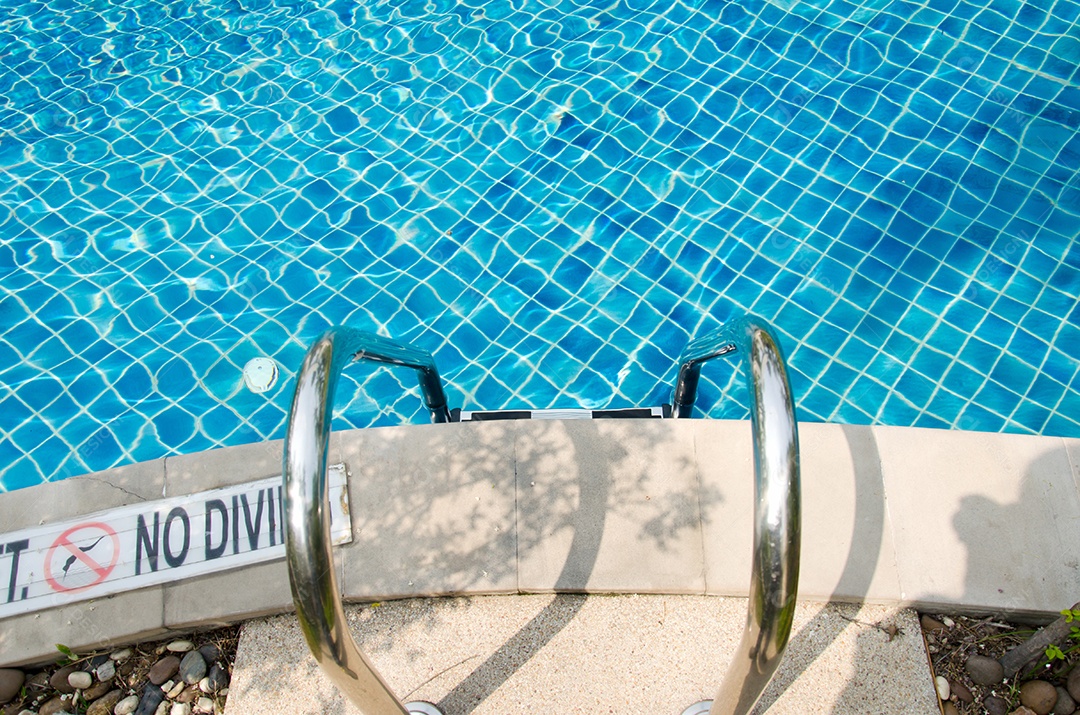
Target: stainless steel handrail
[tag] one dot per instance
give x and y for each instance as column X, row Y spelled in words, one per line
column 307, row 512
column 775, row 570
column 774, row 577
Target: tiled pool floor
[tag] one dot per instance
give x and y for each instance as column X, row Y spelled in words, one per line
column 552, row 197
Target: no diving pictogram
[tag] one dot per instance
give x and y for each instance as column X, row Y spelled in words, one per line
column 81, row 557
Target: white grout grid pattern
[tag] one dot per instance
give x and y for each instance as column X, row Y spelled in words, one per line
column 552, row 197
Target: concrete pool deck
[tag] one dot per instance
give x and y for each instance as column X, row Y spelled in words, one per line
column 633, row 655
column 951, row 521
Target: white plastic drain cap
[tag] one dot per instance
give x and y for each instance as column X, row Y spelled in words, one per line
column 260, row 374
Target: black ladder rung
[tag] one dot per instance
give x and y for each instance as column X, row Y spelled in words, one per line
column 658, row 412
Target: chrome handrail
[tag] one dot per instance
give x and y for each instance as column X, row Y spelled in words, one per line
column 774, row 577
column 307, row 512
column 775, row 570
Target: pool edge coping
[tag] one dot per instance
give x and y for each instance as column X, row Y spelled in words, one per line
column 926, row 528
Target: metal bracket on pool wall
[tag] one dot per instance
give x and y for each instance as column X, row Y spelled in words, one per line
column 775, row 570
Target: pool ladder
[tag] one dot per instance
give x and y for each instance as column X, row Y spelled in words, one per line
column 774, row 573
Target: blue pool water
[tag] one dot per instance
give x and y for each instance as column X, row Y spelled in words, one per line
column 552, row 197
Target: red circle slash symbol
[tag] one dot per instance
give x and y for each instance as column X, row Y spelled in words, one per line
column 87, row 554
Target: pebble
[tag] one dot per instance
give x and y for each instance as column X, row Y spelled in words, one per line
column 53, row 706
column 80, row 680
column 11, row 682
column 106, row 671
column 127, row 705
column 1065, row 703
column 120, row 655
column 163, row 670
column 984, row 670
column 217, row 679
column 95, row 686
column 105, row 704
column 192, row 668
column 961, row 692
column 59, row 679
column 1038, row 695
column 931, row 625
column 1023, row 711
column 942, row 687
column 210, row 653
column 995, row 705
column 950, row 709
column 152, row 697
column 1073, row 683
column 96, row 690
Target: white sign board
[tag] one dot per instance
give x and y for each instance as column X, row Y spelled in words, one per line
column 154, row 542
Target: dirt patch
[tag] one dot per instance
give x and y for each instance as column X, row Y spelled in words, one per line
column 952, row 640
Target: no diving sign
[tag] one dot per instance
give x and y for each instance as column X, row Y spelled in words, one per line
column 71, row 567
column 151, row 543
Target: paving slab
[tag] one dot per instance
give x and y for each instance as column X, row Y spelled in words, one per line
column 56, row 501
column 31, row 638
column 199, row 471
column 725, row 456
column 609, row 506
column 847, row 548
column 433, row 510
column 218, row 599
column 629, row 655
column 987, row 521
column 1072, row 448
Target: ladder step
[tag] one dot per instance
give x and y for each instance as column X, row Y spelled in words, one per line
column 658, row 412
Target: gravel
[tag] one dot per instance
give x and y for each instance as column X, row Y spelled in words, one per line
column 118, row 679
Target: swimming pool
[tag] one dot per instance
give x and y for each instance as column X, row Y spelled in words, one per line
column 552, row 197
